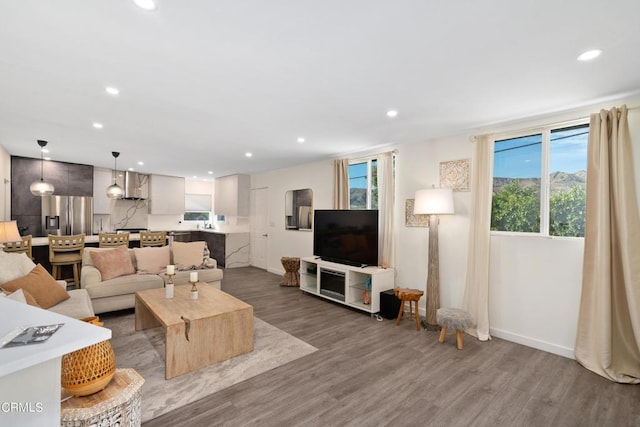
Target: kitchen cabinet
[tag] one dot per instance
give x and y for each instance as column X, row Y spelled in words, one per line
column 102, row 178
column 69, row 179
column 166, row 195
column 232, row 195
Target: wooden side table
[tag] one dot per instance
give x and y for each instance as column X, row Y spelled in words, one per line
column 292, row 271
column 413, row 296
column 117, row 405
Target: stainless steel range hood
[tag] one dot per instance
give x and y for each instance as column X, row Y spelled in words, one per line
column 136, row 186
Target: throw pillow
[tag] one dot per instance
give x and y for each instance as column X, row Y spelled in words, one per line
column 152, row 260
column 21, row 296
column 187, row 256
column 40, row 285
column 14, row 266
column 113, row 262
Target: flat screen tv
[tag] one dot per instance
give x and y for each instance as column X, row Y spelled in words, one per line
column 346, row 236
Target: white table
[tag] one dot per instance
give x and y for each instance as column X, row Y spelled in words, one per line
column 30, row 375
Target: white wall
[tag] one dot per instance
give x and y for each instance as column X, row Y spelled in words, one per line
column 316, row 176
column 5, row 185
column 535, row 282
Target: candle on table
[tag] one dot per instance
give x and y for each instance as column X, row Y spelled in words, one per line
column 193, row 276
column 171, row 269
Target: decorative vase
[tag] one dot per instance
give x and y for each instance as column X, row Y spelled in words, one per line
column 90, row 369
column 366, row 298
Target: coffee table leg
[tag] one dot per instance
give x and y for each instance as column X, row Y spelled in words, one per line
column 144, row 318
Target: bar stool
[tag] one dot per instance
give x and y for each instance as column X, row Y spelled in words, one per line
column 66, row 250
column 110, row 240
column 153, row 238
column 21, row 246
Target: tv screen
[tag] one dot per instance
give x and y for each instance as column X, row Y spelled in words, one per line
column 346, row 236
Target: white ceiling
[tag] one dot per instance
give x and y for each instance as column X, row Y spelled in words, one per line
column 203, row 81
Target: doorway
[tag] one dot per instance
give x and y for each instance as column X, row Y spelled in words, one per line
column 259, row 227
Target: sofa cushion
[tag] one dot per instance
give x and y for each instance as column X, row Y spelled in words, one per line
column 113, row 263
column 77, row 306
column 151, row 260
column 41, row 285
column 124, row 285
column 87, row 260
column 14, row 266
column 187, row 256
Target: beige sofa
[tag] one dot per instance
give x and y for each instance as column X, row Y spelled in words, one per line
column 18, row 265
column 119, row 293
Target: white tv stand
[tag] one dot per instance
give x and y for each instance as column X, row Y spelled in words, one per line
column 312, row 281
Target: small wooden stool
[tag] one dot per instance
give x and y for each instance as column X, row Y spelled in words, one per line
column 453, row 318
column 413, row 296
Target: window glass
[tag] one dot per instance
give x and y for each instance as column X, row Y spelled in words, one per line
column 539, row 182
column 516, row 184
column 358, row 185
column 568, row 180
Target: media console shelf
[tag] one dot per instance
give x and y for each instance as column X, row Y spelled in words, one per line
column 344, row 283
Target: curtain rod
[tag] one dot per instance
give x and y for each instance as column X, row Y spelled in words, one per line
column 579, row 120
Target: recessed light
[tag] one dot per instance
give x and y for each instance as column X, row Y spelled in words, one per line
column 112, row 90
column 98, row 125
column 248, row 154
column 145, row 4
column 210, row 172
column 392, row 113
column 140, row 163
column 131, row 169
column 47, row 158
column 589, row 55
column 300, row 140
column 194, row 176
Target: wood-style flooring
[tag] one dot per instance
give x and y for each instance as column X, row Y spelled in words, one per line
column 370, row 373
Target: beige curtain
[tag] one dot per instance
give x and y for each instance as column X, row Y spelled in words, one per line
column 608, row 337
column 476, row 293
column 341, row 184
column 386, row 198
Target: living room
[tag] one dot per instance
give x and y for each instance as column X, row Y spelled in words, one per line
column 535, row 281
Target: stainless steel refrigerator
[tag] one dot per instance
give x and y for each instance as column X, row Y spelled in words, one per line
column 67, row 215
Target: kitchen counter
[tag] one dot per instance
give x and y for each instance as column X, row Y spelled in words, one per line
column 44, row 241
column 30, row 374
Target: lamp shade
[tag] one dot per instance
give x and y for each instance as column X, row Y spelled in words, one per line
column 9, row 232
column 41, row 188
column 114, row 191
column 433, row 201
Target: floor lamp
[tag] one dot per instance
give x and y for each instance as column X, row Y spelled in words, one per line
column 433, row 202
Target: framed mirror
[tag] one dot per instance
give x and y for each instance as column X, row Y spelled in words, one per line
column 298, row 210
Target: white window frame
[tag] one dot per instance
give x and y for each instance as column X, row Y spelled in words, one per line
column 544, row 179
column 368, row 161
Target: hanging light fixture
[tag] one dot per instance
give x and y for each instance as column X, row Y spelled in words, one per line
column 41, row 188
column 114, row 191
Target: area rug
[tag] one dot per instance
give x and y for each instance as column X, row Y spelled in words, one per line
column 144, row 351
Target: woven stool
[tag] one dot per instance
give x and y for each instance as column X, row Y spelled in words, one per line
column 292, row 271
column 454, row 318
column 413, row 296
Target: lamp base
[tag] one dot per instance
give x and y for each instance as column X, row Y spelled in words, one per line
column 428, row 327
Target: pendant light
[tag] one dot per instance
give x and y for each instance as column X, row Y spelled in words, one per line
column 114, row 191
column 41, row 188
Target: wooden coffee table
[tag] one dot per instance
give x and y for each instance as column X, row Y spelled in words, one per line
column 198, row 333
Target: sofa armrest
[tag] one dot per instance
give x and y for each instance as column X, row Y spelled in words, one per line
column 211, row 263
column 89, row 275
column 62, row 284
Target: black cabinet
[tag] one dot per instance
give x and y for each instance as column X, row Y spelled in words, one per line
column 215, row 243
column 69, row 179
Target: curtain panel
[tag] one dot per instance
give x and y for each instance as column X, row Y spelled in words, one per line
column 341, row 184
column 608, row 336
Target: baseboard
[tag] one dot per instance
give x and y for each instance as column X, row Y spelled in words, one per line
column 534, row 343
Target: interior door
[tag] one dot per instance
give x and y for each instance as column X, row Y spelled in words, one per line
column 259, row 220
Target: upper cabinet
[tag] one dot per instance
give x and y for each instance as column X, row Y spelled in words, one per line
column 102, row 178
column 232, row 195
column 166, row 195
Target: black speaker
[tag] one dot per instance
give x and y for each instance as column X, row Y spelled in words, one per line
column 389, row 304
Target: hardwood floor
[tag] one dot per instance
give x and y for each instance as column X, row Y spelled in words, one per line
column 373, row 373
